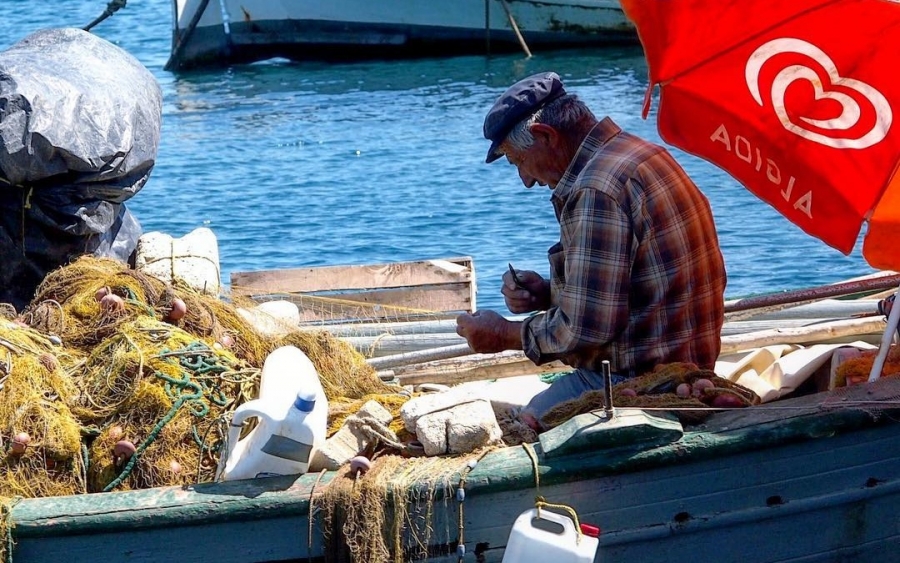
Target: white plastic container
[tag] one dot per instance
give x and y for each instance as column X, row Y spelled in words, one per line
column 293, row 416
column 531, row 544
column 286, row 372
column 193, row 258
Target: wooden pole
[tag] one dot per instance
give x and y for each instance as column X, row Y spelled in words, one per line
column 515, row 28
column 477, row 369
column 776, row 301
column 421, row 356
column 803, row 335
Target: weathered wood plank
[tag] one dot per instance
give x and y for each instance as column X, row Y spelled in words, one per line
column 399, row 291
column 409, row 328
column 410, row 304
column 826, row 309
column 388, row 344
column 366, row 276
column 476, row 367
column 802, row 335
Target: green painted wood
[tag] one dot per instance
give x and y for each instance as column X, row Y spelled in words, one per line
column 595, row 430
column 204, row 503
column 725, row 433
column 161, row 523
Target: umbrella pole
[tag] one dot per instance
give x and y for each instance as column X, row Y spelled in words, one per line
column 892, row 321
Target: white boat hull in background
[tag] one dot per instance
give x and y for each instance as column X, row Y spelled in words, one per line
column 217, row 32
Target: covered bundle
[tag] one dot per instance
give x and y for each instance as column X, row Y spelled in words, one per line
column 79, row 134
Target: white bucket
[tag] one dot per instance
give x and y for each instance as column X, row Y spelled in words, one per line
column 531, row 543
column 292, row 414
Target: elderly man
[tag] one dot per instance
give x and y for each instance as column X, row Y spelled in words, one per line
column 637, row 277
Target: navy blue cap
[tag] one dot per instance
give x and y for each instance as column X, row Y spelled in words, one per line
column 519, row 101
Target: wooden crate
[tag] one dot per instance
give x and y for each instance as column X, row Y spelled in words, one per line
column 426, row 289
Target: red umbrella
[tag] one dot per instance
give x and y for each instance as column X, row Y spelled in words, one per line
column 794, row 98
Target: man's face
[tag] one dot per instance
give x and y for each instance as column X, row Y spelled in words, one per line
column 531, row 164
column 544, row 162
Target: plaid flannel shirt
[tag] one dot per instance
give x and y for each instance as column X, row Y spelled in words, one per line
column 637, row 277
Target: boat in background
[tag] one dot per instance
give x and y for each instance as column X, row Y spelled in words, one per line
column 220, row 33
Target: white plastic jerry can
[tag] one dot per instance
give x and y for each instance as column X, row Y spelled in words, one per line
column 293, row 417
column 282, row 442
column 531, row 542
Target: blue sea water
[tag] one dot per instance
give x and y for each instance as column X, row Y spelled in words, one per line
column 322, row 164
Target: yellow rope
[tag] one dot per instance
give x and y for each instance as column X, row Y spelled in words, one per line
column 461, row 499
column 540, row 502
column 529, row 449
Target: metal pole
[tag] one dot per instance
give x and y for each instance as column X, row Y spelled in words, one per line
column 607, row 389
column 797, row 297
column 892, row 321
column 487, row 27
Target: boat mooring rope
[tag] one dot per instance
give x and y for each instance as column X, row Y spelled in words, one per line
column 111, row 8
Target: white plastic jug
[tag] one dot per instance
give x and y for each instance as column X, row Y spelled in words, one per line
column 531, row 544
column 286, row 372
column 293, row 416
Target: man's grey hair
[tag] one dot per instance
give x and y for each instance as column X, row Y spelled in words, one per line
column 564, row 114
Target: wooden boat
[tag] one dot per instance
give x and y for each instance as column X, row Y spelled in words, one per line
column 814, row 477
column 219, row 33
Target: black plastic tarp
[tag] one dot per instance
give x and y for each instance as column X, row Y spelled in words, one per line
column 80, row 122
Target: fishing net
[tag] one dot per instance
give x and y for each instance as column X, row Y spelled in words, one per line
column 856, row 370
column 388, row 516
column 125, row 394
column 659, row 390
column 40, row 435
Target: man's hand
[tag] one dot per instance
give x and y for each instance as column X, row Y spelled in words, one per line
column 488, row 332
column 533, row 294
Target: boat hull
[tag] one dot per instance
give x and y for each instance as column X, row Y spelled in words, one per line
column 815, row 479
column 345, row 30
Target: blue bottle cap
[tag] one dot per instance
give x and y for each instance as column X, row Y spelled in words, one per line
column 305, row 401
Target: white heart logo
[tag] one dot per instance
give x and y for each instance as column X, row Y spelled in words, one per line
column 850, row 108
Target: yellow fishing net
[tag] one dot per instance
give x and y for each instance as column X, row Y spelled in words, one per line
column 856, row 370
column 111, row 379
column 682, row 387
column 122, row 393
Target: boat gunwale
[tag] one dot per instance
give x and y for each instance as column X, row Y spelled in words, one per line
column 729, row 432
